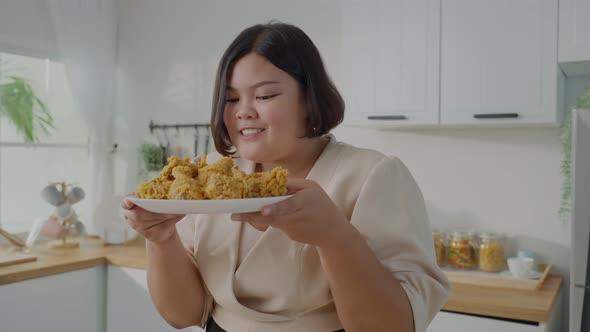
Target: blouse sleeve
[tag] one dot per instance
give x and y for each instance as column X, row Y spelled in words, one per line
column 390, row 212
column 186, row 229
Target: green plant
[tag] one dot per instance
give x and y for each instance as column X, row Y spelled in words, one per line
column 152, row 156
column 583, row 101
column 21, row 105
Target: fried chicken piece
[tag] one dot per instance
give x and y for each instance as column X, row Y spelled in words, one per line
column 266, row 184
column 154, row 189
column 222, row 180
column 184, row 186
column 173, row 162
column 277, row 182
column 219, row 186
column 223, row 166
column 218, row 182
column 237, row 173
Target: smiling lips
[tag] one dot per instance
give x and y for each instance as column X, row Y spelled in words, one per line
column 251, row 133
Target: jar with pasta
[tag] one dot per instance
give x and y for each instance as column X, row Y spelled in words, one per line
column 491, row 252
column 461, row 251
column 440, row 247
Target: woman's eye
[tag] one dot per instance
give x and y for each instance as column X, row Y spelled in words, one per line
column 266, row 97
column 232, row 100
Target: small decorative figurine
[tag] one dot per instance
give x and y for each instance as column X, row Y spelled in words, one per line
column 64, row 221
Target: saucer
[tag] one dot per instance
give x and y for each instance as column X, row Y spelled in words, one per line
column 532, row 275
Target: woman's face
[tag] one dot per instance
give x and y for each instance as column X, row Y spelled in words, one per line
column 264, row 111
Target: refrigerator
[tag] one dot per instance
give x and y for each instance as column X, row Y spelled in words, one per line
column 580, row 267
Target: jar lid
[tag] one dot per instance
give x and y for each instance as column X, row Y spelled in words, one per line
column 460, row 235
column 491, row 236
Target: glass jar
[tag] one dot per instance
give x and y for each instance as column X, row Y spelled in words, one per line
column 462, row 251
column 440, row 247
column 491, row 252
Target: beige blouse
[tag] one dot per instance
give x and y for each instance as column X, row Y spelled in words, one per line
column 264, row 281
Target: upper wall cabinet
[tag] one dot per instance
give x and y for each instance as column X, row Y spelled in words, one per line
column 390, row 69
column 499, row 62
column 574, row 36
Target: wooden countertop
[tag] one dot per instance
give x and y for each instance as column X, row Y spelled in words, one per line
column 91, row 252
column 533, row 306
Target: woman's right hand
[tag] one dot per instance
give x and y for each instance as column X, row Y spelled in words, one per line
column 155, row 227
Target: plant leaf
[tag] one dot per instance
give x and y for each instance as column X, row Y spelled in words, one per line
column 24, row 109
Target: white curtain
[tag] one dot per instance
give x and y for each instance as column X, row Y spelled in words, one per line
column 86, row 38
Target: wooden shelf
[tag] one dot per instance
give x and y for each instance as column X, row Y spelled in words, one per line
column 525, row 305
column 497, row 280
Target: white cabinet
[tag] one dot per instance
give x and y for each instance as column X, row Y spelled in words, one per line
column 499, row 62
column 453, row 322
column 390, row 68
column 574, row 36
column 450, row 62
column 71, row 301
column 129, row 305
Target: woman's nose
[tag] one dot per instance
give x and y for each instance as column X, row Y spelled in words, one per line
column 246, row 111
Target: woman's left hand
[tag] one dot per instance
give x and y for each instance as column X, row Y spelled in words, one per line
column 309, row 216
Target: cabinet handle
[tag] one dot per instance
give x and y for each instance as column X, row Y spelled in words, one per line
column 387, row 117
column 495, row 115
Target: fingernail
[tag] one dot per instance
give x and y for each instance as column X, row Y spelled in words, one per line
column 236, row 217
column 266, row 211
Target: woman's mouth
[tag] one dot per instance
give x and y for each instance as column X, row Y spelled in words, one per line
column 251, row 133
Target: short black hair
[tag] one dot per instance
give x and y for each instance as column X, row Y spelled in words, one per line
column 288, row 48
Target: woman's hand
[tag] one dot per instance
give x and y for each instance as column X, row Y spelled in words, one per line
column 155, row 227
column 309, row 216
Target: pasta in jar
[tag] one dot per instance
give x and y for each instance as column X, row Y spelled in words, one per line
column 491, row 252
column 440, row 248
column 461, row 251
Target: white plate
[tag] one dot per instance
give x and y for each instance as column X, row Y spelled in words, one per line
column 532, row 275
column 206, row 206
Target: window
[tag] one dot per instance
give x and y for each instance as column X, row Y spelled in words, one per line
column 61, row 155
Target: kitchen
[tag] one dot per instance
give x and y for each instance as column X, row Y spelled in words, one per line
column 461, row 57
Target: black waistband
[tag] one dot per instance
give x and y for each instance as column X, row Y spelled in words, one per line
column 213, row 327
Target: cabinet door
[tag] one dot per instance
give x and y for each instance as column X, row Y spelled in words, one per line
column 574, row 30
column 65, row 302
column 129, row 305
column 499, row 62
column 391, row 61
column 451, row 322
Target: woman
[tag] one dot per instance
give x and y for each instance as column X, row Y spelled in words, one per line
column 350, row 250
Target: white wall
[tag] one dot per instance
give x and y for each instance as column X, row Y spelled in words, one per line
column 26, row 28
column 507, row 180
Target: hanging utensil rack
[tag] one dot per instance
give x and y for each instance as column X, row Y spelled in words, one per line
column 197, row 126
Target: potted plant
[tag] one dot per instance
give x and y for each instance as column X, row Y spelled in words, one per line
column 582, row 102
column 152, row 159
column 26, row 111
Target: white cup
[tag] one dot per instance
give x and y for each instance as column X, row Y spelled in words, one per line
column 520, row 267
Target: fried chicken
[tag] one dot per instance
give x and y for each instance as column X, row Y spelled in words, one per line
column 184, row 186
column 266, row 184
column 219, row 186
column 184, row 180
column 173, row 162
column 218, row 181
column 154, row 189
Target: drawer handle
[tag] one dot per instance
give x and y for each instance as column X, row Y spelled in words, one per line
column 495, row 115
column 387, row 117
